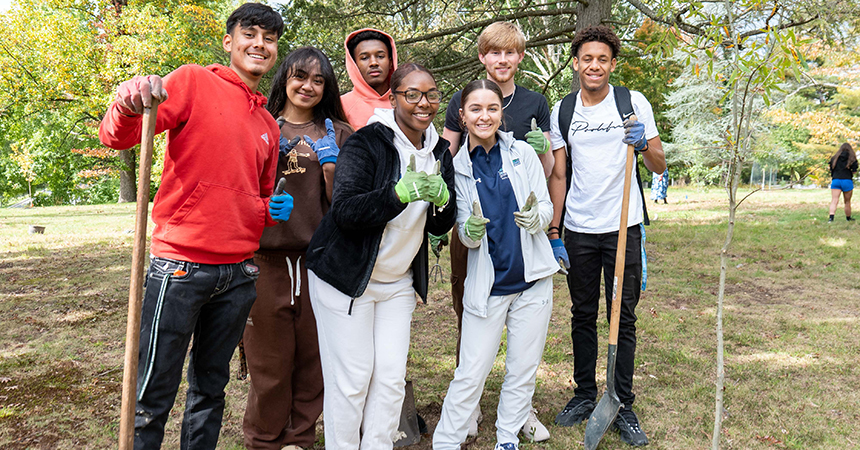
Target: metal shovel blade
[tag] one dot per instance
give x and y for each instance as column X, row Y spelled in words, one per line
column 607, row 409
column 408, row 430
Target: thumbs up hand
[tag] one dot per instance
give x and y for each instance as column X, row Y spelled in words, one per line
column 476, row 224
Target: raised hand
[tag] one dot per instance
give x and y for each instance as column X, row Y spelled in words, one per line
column 281, row 203
column 326, row 147
column 476, row 225
column 412, row 183
column 435, row 190
column 528, row 218
column 536, row 139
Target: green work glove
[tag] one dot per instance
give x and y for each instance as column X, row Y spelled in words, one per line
column 435, row 190
column 528, row 217
column 476, row 224
column 536, row 139
column 437, row 242
column 409, row 187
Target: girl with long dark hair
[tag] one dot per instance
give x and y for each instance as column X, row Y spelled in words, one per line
column 286, row 394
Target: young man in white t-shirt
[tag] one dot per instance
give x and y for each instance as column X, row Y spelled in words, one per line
column 596, row 144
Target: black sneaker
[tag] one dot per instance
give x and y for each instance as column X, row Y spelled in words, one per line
column 577, row 410
column 628, row 426
column 850, row 219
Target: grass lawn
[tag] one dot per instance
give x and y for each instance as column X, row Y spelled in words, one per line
column 792, row 324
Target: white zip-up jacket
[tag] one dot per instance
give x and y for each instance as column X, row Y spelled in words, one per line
column 525, row 173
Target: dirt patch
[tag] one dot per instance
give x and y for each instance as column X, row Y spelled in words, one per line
column 39, row 405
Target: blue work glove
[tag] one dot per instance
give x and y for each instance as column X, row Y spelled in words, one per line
column 634, row 134
column 285, row 146
column 326, row 147
column 560, row 254
column 281, row 203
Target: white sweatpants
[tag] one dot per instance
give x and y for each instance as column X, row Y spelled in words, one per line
column 363, row 357
column 526, row 315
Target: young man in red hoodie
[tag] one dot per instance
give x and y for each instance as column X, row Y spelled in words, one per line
column 371, row 58
column 214, row 200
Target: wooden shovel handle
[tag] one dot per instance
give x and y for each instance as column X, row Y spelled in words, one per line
column 135, row 291
column 621, row 251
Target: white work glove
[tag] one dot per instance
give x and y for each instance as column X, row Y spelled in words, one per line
column 528, row 218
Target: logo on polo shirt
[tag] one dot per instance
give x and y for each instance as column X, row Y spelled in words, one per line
column 265, row 137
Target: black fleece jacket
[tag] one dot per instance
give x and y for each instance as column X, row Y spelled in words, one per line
column 344, row 247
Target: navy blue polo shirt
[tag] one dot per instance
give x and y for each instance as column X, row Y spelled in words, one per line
column 503, row 236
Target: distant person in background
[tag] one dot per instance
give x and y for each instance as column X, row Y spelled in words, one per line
column 659, row 186
column 843, row 165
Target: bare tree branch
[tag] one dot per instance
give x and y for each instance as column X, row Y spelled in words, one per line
column 674, row 21
column 796, row 23
column 485, row 22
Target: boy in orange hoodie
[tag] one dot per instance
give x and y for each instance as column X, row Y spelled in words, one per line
column 371, row 58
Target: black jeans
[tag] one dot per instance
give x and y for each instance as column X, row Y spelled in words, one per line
column 589, row 254
column 184, row 299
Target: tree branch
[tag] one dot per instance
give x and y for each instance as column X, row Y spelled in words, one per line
column 485, row 22
column 673, row 22
column 738, row 204
column 555, row 74
column 779, row 27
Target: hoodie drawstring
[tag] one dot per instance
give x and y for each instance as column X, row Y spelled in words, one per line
column 295, row 279
column 256, row 101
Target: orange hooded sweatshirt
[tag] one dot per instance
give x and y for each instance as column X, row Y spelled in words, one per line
column 360, row 102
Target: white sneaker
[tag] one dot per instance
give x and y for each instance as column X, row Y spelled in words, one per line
column 533, row 430
column 507, row 446
column 474, row 420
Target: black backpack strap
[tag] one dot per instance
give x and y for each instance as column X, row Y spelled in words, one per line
column 565, row 116
column 625, row 109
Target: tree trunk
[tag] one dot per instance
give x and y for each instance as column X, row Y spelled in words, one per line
column 127, row 187
column 734, row 181
column 592, row 13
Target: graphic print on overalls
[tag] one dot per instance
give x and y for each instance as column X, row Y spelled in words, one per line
column 293, row 159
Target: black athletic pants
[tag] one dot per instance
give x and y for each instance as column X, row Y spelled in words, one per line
column 589, row 254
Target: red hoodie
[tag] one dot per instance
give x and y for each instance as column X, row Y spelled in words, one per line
column 359, row 103
column 222, row 151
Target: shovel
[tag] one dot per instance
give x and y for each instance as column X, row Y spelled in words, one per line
column 609, row 405
column 135, row 291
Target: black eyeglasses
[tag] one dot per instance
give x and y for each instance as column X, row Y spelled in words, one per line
column 414, row 95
